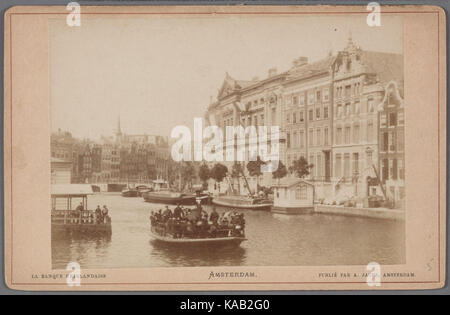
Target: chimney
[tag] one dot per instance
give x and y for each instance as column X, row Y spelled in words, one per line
column 301, row 61
column 272, row 72
column 255, row 79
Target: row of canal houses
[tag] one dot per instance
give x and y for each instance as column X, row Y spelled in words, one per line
column 343, row 113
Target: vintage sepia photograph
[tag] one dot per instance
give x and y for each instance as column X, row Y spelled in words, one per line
column 227, row 140
column 213, row 148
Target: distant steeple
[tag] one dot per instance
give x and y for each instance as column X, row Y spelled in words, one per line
column 350, row 45
column 119, row 131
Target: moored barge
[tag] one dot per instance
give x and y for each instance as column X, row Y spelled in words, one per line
column 241, row 202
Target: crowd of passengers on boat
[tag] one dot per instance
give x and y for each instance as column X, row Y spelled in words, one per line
column 196, row 223
column 98, row 216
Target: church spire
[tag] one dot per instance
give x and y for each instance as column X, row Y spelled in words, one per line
column 119, row 131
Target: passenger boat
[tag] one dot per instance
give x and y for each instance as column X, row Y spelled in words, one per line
column 169, row 197
column 213, row 241
column 241, row 202
column 141, row 189
column 130, row 192
column 65, row 219
column 224, row 236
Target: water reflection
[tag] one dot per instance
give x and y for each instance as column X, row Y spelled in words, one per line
column 198, row 256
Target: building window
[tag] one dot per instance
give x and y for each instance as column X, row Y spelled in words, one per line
column 274, row 117
column 339, row 135
column 325, row 112
column 302, row 139
column 318, row 99
column 325, row 136
column 357, row 108
column 318, row 137
column 311, row 114
column 288, row 140
column 295, row 100
column 356, row 134
column 370, row 131
column 325, row 94
column 401, row 118
column 319, row 165
column 394, row 169
column 347, row 135
column 400, row 140
column 355, row 163
column 392, row 119
column 318, row 113
column 295, row 140
column 302, row 100
column 371, row 106
column 385, row 170
column 310, row 98
column 348, row 90
column 391, row 141
column 369, row 158
column 338, row 166
column 301, row 116
column 346, row 165
column 311, row 137
column 301, row 193
column 347, row 109
column 339, row 110
column 294, row 118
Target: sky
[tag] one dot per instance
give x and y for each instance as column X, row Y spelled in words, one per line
column 159, row 72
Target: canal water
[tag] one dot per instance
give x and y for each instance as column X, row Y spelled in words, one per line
column 273, row 240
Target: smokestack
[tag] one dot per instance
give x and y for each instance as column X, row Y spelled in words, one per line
column 301, row 61
column 272, row 72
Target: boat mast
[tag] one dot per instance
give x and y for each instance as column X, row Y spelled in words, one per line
column 246, row 183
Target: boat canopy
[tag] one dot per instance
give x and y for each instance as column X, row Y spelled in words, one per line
column 71, row 190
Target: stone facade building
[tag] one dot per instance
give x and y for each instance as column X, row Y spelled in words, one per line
column 328, row 112
column 391, row 141
column 359, row 86
column 123, row 159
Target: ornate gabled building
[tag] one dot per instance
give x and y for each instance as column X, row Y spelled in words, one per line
column 391, row 141
column 359, row 86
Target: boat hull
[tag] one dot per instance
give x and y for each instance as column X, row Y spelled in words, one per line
column 182, row 200
column 199, row 242
column 130, row 193
column 235, row 205
column 92, row 229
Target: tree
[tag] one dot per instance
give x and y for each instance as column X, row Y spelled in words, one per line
column 300, row 167
column 204, row 173
column 280, row 172
column 254, row 168
column 218, row 173
column 187, row 172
